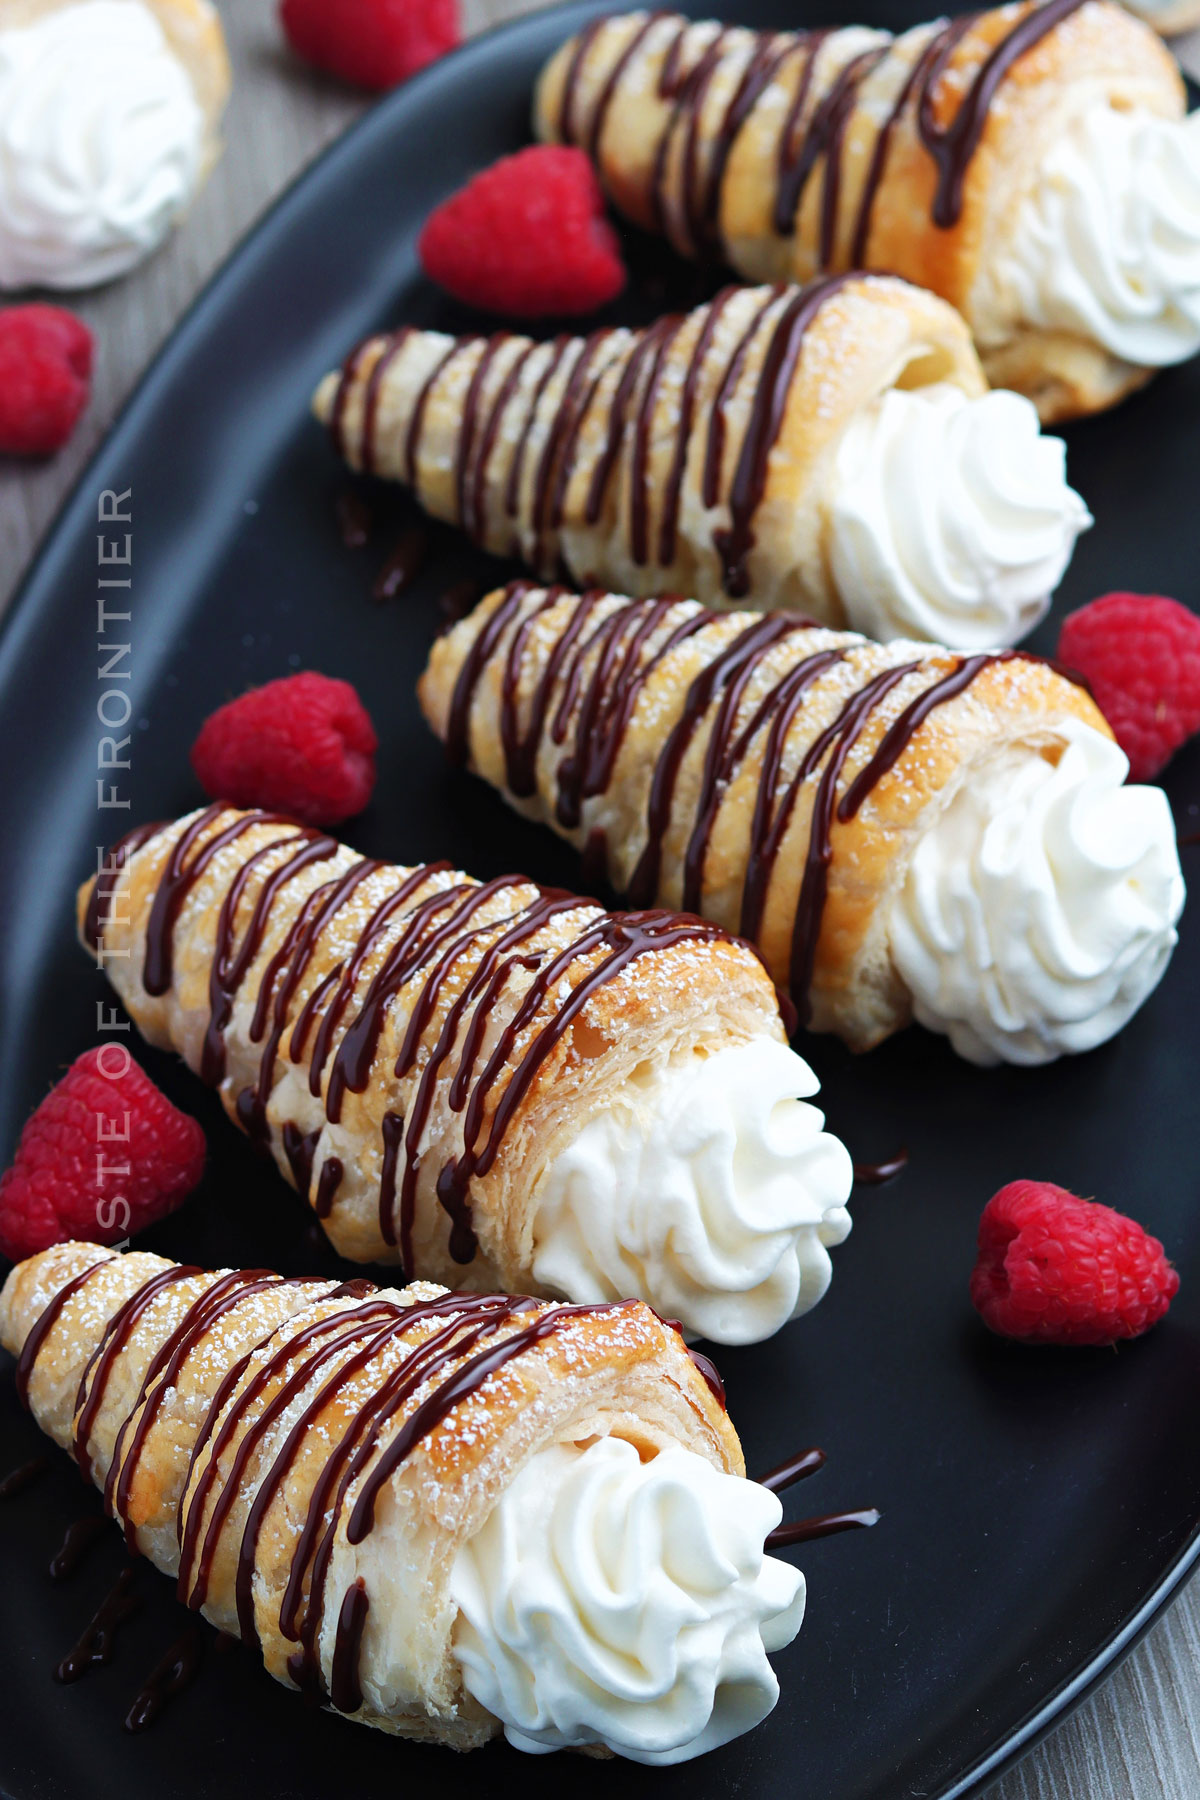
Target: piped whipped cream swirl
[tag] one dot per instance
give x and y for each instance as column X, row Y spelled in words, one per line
column 101, row 144
column 611, row 1601
column 1108, row 245
column 708, row 1188
column 951, row 518
column 1040, row 909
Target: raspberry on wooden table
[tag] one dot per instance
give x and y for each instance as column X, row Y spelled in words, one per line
column 45, row 378
column 303, row 745
column 1055, row 1269
column 104, row 1155
column 372, row 43
column 527, row 238
column 1140, row 655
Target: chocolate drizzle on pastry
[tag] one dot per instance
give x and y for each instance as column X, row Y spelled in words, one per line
column 176, row 1671
column 582, row 364
column 428, row 926
column 312, row 1375
column 22, row 1477
column 813, row 127
column 586, row 696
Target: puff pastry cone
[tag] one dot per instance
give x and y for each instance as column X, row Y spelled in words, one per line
column 832, row 449
column 109, row 124
column 900, row 829
column 411, row 1501
column 1031, row 164
column 496, row 1085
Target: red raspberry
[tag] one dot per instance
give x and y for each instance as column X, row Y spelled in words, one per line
column 372, row 43
column 45, row 378
column 303, row 746
column 1054, row 1269
column 103, row 1156
column 527, row 237
column 1140, row 655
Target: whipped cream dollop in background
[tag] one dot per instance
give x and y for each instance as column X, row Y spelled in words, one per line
column 708, row 1188
column 951, row 518
column 1039, row 911
column 1108, row 245
column 610, row 1601
column 101, row 144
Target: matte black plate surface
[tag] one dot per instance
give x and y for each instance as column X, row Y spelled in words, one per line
column 1038, row 1507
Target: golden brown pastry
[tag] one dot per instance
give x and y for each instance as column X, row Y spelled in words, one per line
column 899, row 829
column 1027, row 163
column 496, row 1085
column 352, row 1479
column 832, row 450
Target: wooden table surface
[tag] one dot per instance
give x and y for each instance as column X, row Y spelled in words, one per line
column 1138, row 1737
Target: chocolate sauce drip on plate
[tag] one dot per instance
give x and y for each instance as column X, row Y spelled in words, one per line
column 17, row 1480
column 95, row 1647
column 77, row 1541
column 876, row 1174
column 169, row 1677
column 796, row 1468
column 803, row 1531
column 354, row 518
column 403, row 565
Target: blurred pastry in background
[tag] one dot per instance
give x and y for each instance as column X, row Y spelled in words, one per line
column 110, row 113
column 1169, row 17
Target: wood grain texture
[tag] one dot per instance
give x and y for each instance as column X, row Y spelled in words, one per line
column 1138, row 1737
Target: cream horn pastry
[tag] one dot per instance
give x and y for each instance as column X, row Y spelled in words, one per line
column 1032, row 164
column 442, row 1514
column 901, row 830
column 833, row 450
column 493, row 1084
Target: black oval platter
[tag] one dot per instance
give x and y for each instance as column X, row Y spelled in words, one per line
column 1039, row 1508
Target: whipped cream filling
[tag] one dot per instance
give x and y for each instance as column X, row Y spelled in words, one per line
column 1108, row 244
column 708, row 1188
column 101, row 144
column 951, row 518
column 1039, row 911
column 610, row 1601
